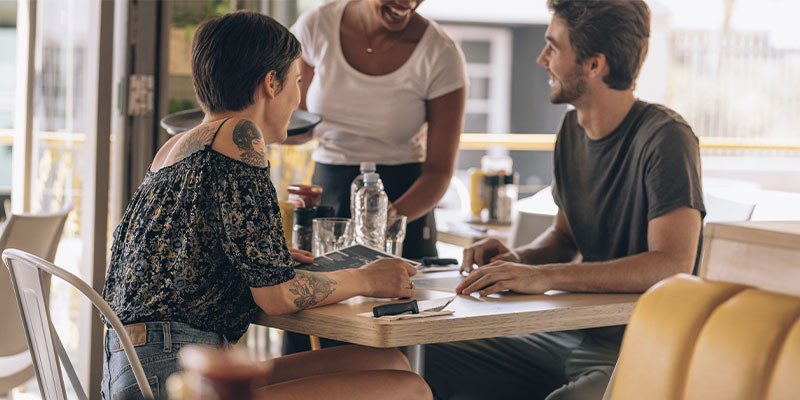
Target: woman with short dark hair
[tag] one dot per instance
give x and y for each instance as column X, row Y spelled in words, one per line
column 200, row 249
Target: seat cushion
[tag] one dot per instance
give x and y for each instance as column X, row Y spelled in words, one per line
column 783, row 385
column 739, row 345
column 661, row 334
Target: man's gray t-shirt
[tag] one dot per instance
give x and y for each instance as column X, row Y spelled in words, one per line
column 610, row 189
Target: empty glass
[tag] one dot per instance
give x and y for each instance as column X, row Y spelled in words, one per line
column 395, row 234
column 331, row 234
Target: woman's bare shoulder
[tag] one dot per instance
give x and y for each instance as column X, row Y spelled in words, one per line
column 183, row 145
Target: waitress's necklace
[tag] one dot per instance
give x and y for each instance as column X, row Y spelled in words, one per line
column 396, row 38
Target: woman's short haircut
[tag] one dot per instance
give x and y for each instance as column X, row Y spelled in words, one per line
column 618, row 29
column 231, row 55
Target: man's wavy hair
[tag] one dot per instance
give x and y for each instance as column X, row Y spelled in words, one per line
column 233, row 53
column 618, row 29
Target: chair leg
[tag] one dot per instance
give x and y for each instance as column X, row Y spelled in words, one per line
column 314, row 343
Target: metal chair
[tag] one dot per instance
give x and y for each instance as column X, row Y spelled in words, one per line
column 46, row 349
column 37, row 234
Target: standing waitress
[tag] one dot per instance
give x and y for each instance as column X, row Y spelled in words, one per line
column 378, row 73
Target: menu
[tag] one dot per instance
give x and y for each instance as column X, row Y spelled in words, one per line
column 349, row 257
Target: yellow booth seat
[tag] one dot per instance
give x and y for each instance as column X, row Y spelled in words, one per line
column 689, row 338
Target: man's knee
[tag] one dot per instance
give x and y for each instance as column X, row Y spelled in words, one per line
column 590, row 386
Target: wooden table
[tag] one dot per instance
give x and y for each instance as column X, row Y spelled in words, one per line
column 475, row 317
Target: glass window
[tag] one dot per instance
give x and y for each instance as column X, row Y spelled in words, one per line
column 732, row 69
column 61, row 118
column 8, row 37
column 475, row 123
column 186, row 16
column 477, row 51
column 478, row 88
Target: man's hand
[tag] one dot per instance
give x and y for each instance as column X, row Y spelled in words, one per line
column 388, row 277
column 499, row 276
column 301, row 256
column 486, row 251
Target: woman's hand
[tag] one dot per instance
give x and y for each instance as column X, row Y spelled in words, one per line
column 301, row 256
column 388, row 277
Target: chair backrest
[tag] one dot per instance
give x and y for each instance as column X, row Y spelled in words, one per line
column 720, row 209
column 541, row 202
column 689, row 338
column 456, row 197
column 527, row 226
column 46, row 351
column 37, row 234
column 532, row 216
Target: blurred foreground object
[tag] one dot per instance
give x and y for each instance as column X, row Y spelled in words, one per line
column 211, row 372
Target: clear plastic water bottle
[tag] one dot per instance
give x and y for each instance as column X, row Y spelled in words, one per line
column 358, row 183
column 370, row 213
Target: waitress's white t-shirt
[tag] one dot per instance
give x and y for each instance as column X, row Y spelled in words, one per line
column 373, row 118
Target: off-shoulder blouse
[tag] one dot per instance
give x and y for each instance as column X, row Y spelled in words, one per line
column 195, row 237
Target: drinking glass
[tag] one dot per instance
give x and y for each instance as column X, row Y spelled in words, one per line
column 331, row 234
column 395, row 234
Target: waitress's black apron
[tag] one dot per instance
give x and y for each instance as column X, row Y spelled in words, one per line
column 335, row 180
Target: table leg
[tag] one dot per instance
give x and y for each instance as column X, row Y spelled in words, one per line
column 416, row 357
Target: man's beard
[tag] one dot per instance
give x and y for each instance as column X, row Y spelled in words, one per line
column 573, row 86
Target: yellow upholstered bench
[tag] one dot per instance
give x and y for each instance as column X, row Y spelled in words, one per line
column 689, row 338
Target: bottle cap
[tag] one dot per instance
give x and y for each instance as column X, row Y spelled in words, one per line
column 371, row 177
column 368, row 166
column 303, row 216
column 323, row 211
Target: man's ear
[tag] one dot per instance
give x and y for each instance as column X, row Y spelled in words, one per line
column 596, row 65
column 270, row 85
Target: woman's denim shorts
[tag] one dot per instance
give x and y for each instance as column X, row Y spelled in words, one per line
column 157, row 345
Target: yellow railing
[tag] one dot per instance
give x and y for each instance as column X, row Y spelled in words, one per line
column 511, row 141
column 7, row 136
column 545, row 141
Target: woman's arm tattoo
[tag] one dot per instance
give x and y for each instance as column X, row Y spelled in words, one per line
column 311, row 288
column 244, row 134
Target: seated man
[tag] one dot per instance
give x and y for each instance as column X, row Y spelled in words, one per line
column 627, row 185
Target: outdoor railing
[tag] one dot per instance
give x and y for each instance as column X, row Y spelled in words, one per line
column 511, row 141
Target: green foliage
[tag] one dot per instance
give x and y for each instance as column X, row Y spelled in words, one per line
column 193, row 18
column 189, row 20
column 176, row 105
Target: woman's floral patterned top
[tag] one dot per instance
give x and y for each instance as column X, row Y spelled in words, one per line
column 195, row 237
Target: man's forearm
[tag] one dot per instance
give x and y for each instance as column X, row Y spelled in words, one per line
column 550, row 247
column 633, row 274
column 538, row 255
